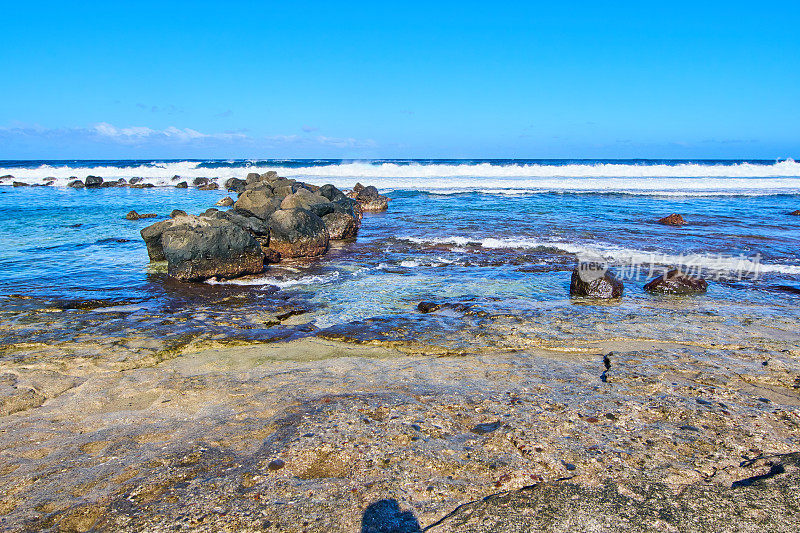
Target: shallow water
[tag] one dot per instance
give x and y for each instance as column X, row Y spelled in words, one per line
column 507, row 253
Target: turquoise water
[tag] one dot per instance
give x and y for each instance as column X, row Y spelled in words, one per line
column 505, row 251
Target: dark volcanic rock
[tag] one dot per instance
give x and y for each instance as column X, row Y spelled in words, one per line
column 182, row 185
column 235, row 184
column 133, row 215
column 199, row 182
column 795, row 213
column 152, row 239
column 676, row 282
column 369, row 199
column 225, row 202
column 254, row 225
column 331, row 193
column 198, row 248
column 20, row 184
column 211, row 186
column 93, row 182
column 605, row 286
column 298, row 233
column 270, row 255
column 367, row 193
column 76, row 184
column 340, row 225
column 177, row 213
column 672, row 220
column 257, row 203
column 134, row 181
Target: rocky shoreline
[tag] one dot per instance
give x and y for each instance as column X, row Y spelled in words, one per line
column 217, row 413
column 316, row 435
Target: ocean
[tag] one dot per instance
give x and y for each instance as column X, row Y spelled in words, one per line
column 499, row 236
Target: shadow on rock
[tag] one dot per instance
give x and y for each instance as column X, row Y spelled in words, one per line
column 385, row 516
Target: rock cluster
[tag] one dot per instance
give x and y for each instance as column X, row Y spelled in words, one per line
column 273, row 218
column 369, row 199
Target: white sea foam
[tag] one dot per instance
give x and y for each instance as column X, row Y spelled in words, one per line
column 684, row 179
column 283, row 284
column 624, row 256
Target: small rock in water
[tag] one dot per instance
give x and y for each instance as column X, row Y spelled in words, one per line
column 209, row 187
column 676, row 282
column 93, row 181
column 486, row 427
column 76, row 184
column 20, row 184
column 428, row 307
column 225, row 202
column 133, row 215
column 182, row 185
column 795, row 213
column 672, row 220
column 605, row 286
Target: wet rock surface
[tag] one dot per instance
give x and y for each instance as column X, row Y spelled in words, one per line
column 314, row 435
column 369, row 199
column 298, row 233
column 676, row 282
column 133, row 215
column 197, row 248
column 604, row 287
column 672, row 220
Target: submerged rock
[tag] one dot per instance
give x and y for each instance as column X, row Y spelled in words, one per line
column 676, row 282
column 133, row 215
column 604, row 286
column 672, row 220
column 298, row 233
column 795, row 213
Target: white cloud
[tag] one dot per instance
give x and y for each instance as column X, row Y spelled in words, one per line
column 135, row 133
column 20, row 140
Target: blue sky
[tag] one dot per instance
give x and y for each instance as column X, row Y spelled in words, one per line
column 400, row 79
